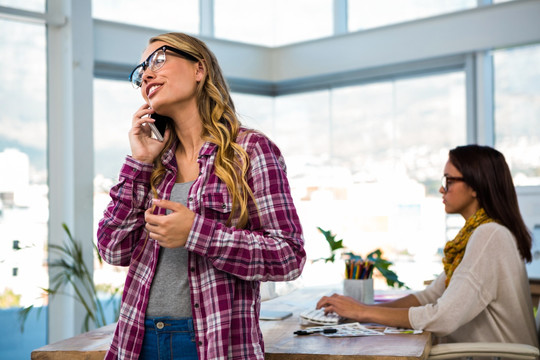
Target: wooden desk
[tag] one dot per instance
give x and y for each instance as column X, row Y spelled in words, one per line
column 280, row 343
column 88, row 346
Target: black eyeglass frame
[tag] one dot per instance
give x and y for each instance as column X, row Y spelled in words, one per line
column 146, row 63
column 446, row 178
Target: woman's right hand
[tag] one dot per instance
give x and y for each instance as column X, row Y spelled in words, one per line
column 144, row 148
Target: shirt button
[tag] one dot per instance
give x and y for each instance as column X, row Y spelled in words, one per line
column 223, row 206
column 160, row 325
column 133, row 169
column 196, row 306
column 190, row 198
column 200, row 343
column 191, row 269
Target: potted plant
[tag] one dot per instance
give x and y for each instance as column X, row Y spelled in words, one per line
column 382, row 265
column 74, row 273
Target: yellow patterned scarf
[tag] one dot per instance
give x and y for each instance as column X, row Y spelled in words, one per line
column 455, row 249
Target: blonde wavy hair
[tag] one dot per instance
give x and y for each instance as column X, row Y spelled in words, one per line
column 220, row 127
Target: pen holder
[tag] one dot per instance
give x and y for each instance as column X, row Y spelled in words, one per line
column 361, row 290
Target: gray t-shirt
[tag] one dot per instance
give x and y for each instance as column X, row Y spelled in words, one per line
column 170, row 294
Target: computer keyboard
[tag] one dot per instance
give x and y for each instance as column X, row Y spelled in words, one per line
column 317, row 316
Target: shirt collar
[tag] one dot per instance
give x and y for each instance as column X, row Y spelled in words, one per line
column 207, row 149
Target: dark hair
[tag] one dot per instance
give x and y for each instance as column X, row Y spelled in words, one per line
column 486, row 171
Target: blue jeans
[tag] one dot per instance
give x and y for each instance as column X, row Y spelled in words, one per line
column 168, row 338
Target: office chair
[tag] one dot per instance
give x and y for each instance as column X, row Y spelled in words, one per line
column 493, row 350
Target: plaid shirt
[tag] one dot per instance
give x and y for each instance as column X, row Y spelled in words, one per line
column 226, row 264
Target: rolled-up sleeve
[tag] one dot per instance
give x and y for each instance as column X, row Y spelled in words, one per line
column 123, row 220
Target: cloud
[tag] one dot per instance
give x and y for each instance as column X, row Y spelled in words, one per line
column 28, row 133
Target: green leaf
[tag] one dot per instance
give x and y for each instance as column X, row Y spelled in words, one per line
column 332, row 243
column 382, row 265
column 71, row 271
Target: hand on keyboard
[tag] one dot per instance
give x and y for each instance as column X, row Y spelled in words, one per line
column 318, row 317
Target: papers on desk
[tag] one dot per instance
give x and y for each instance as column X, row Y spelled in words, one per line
column 344, row 330
column 353, row 329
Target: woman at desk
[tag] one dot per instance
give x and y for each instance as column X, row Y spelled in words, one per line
column 200, row 218
column 483, row 294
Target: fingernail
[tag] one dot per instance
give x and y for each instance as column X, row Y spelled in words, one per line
column 155, row 201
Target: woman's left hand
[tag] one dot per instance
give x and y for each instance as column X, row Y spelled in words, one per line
column 172, row 230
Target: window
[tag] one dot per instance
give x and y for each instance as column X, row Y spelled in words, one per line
column 273, row 22
column 115, row 102
column 365, row 162
column 24, row 199
column 517, row 111
column 160, row 14
column 23, row 144
column 370, row 14
column 255, row 111
column 30, row 5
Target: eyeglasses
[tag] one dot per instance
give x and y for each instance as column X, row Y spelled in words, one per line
column 446, row 181
column 155, row 62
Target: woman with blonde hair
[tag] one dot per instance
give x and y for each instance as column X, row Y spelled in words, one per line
column 200, row 218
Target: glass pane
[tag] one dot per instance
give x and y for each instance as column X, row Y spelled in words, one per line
column 115, row 102
column 114, row 105
column 369, row 14
column 303, row 126
column 30, row 5
column 430, row 119
column 255, row 112
column 517, row 110
column 160, row 14
column 365, row 162
column 302, row 20
column 273, row 22
column 24, row 210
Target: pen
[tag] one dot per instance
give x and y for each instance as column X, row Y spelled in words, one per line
column 309, row 332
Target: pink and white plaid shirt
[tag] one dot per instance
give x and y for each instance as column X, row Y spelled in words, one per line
column 226, row 264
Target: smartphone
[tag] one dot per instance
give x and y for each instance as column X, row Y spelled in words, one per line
column 158, row 127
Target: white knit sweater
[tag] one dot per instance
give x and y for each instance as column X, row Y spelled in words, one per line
column 488, row 298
